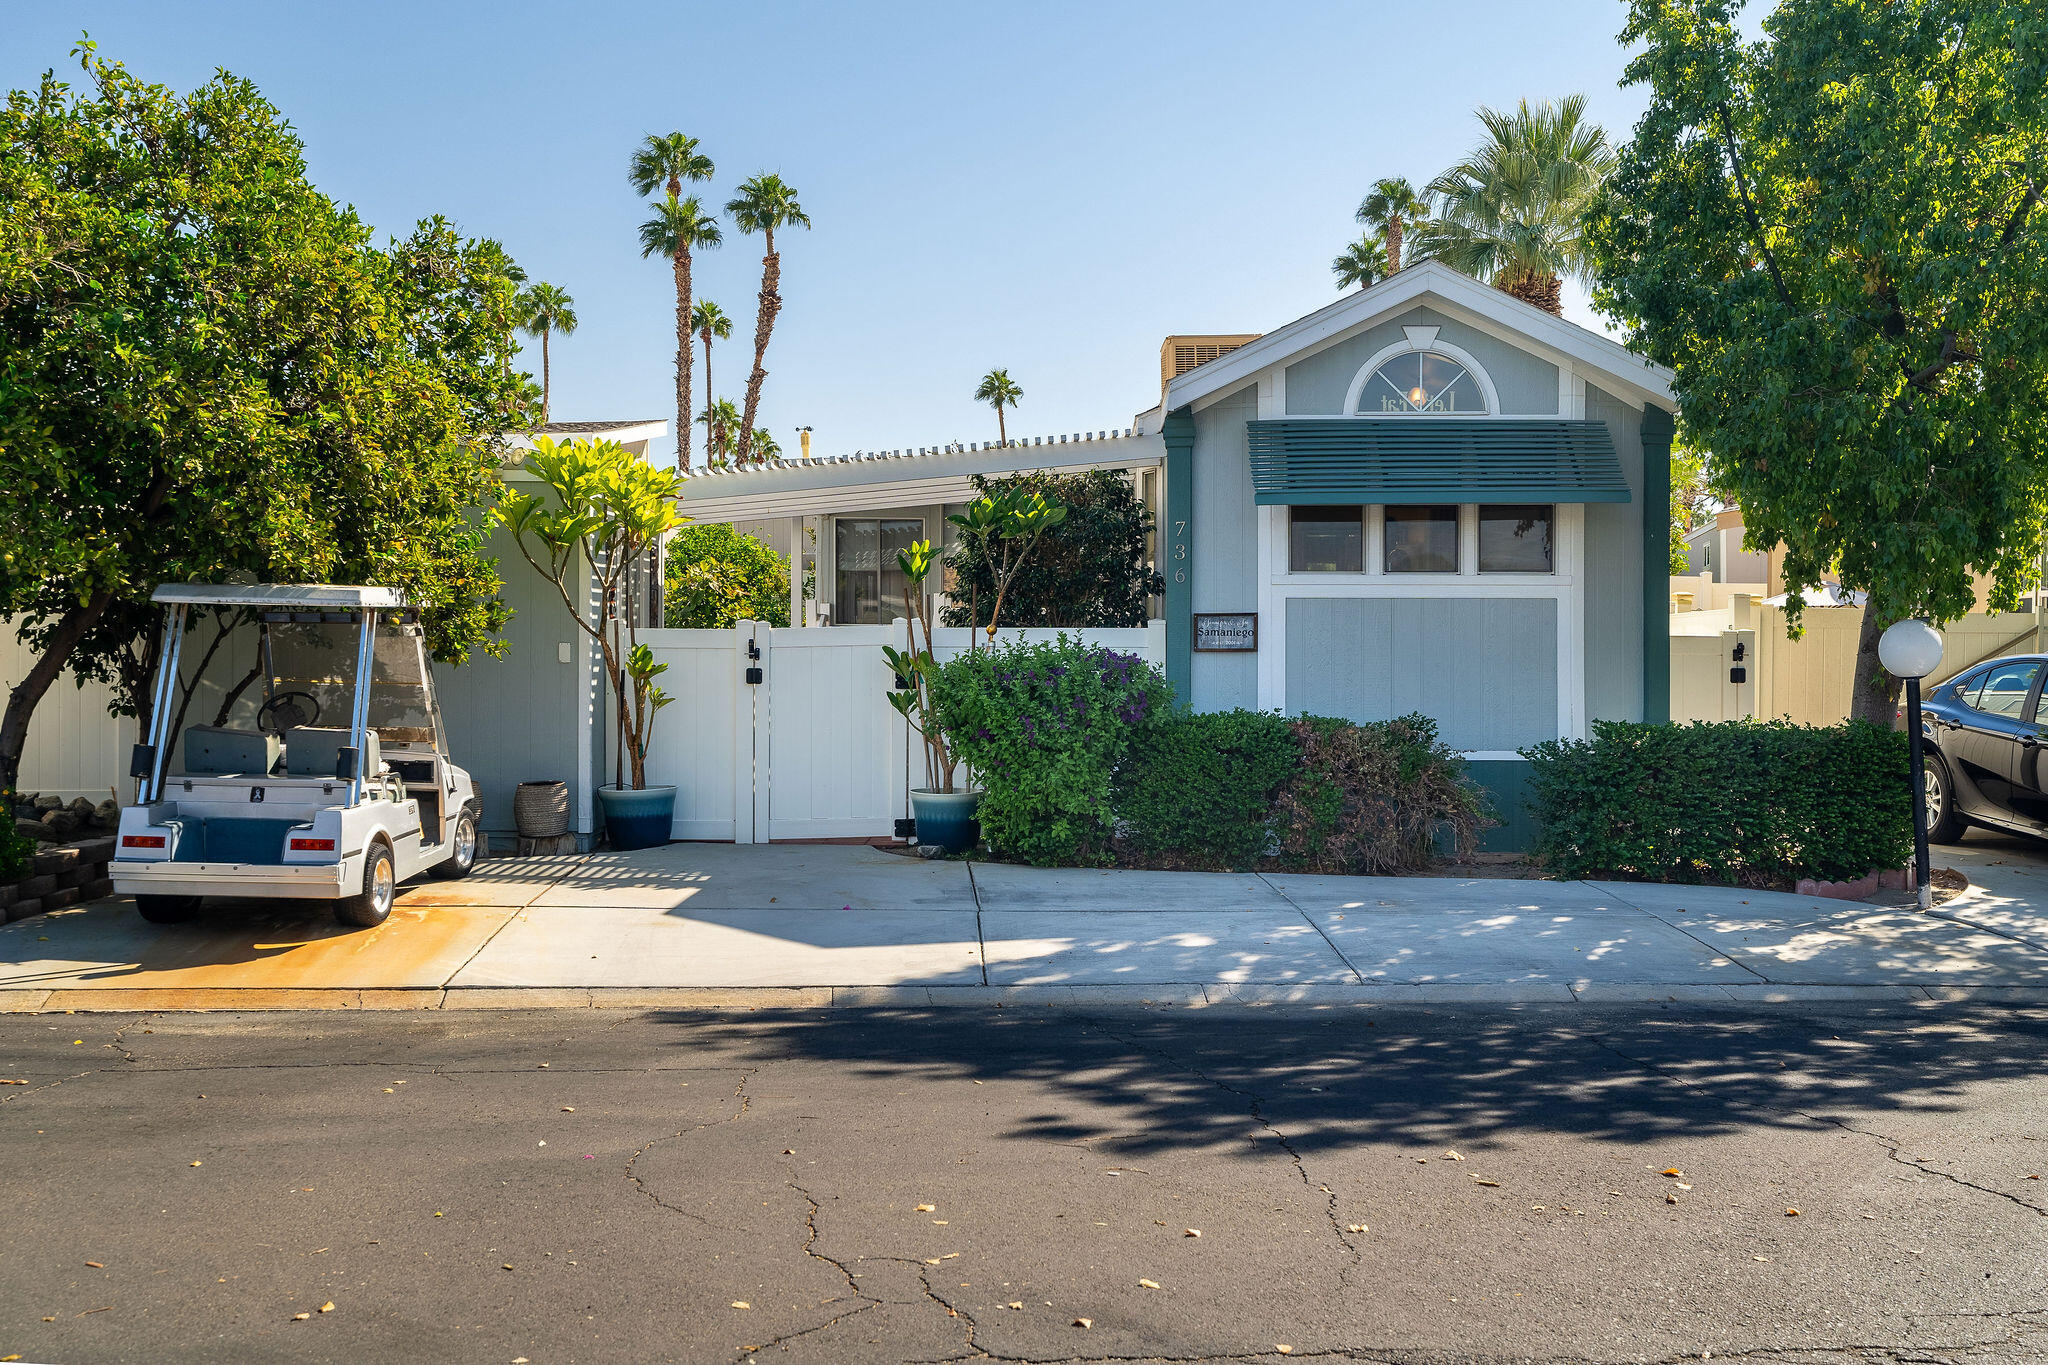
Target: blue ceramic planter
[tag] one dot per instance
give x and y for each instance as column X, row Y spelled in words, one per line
column 637, row 819
column 947, row 819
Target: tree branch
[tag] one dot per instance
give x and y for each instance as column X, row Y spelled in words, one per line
column 1756, row 226
column 2028, row 202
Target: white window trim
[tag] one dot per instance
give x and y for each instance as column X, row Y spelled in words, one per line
column 1566, row 585
column 1420, row 339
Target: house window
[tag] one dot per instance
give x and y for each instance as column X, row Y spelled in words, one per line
column 1422, row 539
column 870, row 587
column 1515, row 537
column 1326, row 539
column 1422, row 382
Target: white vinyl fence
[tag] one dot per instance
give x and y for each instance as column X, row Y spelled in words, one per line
column 812, row 750
column 74, row 747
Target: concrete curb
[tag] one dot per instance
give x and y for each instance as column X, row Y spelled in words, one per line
column 1161, row 997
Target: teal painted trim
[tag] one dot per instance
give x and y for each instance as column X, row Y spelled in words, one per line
column 1506, row 782
column 1177, row 552
column 1658, row 428
column 1433, row 459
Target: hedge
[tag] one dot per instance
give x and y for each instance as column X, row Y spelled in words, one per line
column 1739, row 802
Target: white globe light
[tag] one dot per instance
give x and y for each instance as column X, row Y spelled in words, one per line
column 1909, row 649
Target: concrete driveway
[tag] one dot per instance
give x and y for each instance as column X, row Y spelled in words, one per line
column 825, row 924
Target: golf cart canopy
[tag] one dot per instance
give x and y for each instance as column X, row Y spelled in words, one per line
column 279, row 596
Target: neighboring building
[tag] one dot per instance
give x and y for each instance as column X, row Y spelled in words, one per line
column 1715, row 549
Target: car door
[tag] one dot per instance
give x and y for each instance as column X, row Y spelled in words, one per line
column 1987, row 734
column 2029, row 792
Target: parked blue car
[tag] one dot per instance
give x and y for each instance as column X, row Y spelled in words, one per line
column 1986, row 730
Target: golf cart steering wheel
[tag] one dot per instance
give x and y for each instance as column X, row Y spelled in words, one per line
column 287, row 711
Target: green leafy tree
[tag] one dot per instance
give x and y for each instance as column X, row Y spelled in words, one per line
column 709, row 322
column 1362, row 265
column 1834, row 237
column 678, row 228
column 544, row 310
column 999, row 391
column 1514, row 211
column 208, row 369
column 1093, row 569
column 764, row 204
column 718, row 576
column 1691, row 503
column 1392, row 203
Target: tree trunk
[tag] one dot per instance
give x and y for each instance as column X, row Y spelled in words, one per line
column 547, row 383
column 764, row 324
column 1393, row 245
column 28, row 693
column 684, row 352
column 1876, row 694
column 710, row 404
column 1546, row 291
column 1002, row 431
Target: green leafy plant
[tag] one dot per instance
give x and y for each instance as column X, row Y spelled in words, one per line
column 1741, row 802
column 717, row 576
column 915, row 669
column 608, row 507
column 1045, row 727
column 1196, row 789
column 16, row 848
column 1384, row 796
column 1001, row 527
column 1092, row 569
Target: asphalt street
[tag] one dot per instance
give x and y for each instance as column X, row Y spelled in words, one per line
column 1528, row 1183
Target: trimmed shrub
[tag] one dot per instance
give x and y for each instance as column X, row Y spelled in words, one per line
column 1045, row 727
column 1741, row 802
column 1385, row 796
column 1093, row 569
column 1197, row 789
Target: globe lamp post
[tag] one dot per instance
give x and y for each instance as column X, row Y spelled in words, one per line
column 1911, row 650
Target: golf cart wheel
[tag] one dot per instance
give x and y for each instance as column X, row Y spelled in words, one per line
column 462, row 849
column 371, row 906
column 1944, row 824
column 167, row 909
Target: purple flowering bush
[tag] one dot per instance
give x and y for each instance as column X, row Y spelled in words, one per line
column 1045, row 726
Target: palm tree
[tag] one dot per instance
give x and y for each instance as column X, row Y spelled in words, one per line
column 1514, row 211
column 1392, row 202
column 721, row 420
column 763, row 204
column 708, row 320
column 1363, row 263
column 765, row 446
column 665, row 163
column 545, row 309
column 999, row 392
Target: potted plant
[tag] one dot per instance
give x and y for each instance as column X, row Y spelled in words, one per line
column 609, row 507
column 944, row 814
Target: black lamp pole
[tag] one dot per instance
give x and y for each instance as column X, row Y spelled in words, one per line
column 1921, row 872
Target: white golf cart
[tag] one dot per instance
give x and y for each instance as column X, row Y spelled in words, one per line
column 342, row 788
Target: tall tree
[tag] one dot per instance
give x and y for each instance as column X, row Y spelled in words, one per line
column 1363, row 263
column 1834, row 236
column 708, row 320
column 721, row 421
column 544, row 310
column 763, row 204
column 679, row 227
column 209, row 369
column 1391, row 203
column 999, row 391
column 1514, row 211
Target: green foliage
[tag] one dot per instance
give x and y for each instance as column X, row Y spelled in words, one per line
column 718, row 576
column 1757, row 804
column 1690, row 503
column 1089, row 570
column 207, row 369
column 1834, row 237
column 1384, row 796
column 1000, row 529
column 16, row 848
column 1196, row 789
column 1362, row 264
column 1045, row 728
column 914, row 670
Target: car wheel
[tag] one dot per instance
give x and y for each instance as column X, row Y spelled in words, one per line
column 1944, row 824
column 462, row 849
column 371, row 906
column 167, row 909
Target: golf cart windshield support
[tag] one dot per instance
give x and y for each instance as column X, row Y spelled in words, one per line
column 366, row 637
column 160, row 704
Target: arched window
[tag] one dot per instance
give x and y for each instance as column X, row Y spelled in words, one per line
column 1426, row 382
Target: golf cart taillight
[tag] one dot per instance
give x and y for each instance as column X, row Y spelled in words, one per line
column 142, row 841
column 312, row 845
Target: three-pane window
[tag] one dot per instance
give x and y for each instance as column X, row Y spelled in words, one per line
column 1513, row 538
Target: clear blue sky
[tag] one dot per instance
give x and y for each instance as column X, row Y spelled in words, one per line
column 1051, row 188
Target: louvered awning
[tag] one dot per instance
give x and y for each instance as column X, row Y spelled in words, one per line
column 1433, row 459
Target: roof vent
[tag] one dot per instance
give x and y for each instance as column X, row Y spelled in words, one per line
column 1179, row 354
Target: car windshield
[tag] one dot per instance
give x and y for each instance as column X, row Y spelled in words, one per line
column 312, row 676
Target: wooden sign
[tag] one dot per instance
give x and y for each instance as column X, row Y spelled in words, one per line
column 1235, row 632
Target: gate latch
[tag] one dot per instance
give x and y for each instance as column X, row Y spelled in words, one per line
column 754, row 653
column 754, row 674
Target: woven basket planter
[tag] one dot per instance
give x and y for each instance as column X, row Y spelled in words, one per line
column 541, row 809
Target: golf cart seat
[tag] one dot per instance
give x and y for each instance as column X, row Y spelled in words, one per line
column 220, row 751
column 311, row 750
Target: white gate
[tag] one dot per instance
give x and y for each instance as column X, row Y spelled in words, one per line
column 812, row 750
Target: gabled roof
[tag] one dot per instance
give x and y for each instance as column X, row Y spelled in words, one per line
column 1587, row 352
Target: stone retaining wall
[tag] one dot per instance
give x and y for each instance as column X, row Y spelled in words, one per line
column 58, row 877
